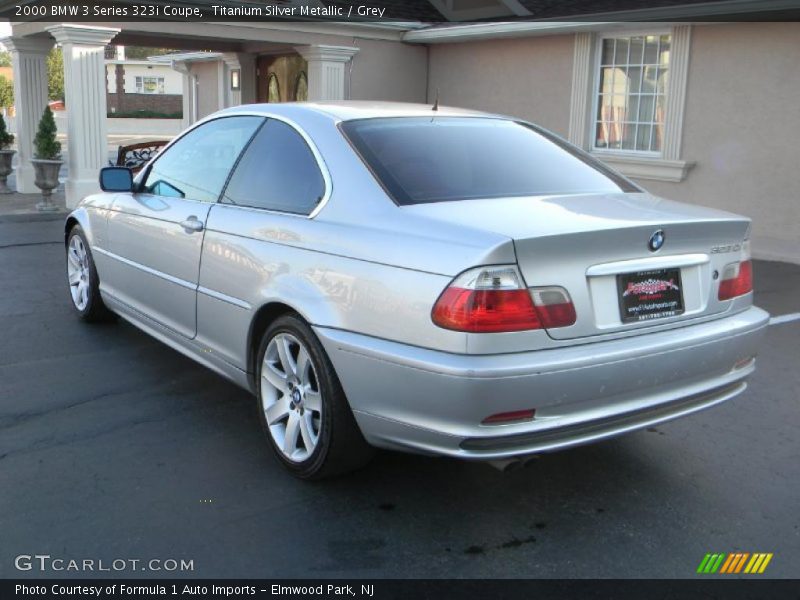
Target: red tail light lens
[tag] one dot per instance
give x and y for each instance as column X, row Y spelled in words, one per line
column 737, row 280
column 494, row 299
column 485, row 311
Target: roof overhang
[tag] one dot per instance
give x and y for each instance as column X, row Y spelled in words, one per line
column 488, row 31
column 168, row 59
column 717, row 12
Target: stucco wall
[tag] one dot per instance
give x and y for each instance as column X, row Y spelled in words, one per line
column 208, row 87
column 384, row 70
column 527, row 77
column 742, row 127
column 740, row 124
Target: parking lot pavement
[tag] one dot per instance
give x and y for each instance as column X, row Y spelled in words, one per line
column 114, row 446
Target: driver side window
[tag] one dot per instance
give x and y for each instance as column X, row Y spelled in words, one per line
column 197, row 166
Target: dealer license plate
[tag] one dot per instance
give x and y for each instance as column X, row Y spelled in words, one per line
column 649, row 295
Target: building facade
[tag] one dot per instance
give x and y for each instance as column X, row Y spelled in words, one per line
column 697, row 112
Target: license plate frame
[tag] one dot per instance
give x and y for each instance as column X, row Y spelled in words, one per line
column 650, row 295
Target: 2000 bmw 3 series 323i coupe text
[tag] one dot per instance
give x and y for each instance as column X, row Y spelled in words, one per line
column 444, row 282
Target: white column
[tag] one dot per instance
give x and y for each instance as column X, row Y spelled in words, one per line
column 326, row 70
column 223, row 87
column 582, row 91
column 188, row 88
column 30, row 97
column 676, row 92
column 231, row 61
column 85, row 91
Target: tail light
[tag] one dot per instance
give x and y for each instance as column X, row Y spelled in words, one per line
column 554, row 307
column 737, row 280
column 495, row 299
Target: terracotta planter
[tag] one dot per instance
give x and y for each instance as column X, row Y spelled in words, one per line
column 46, row 179
column 6, row 156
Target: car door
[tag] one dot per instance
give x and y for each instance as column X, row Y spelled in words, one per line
column 253, row 235
column 155, row 235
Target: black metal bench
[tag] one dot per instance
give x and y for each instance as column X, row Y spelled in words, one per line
column 136, row 156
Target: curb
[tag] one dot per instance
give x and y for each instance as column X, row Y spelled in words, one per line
column 33, row 217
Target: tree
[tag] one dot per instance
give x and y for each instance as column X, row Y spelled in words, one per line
column 45, row 143
column 5, row 58
column 142, row 52
column 6, row 92
column 55, row 74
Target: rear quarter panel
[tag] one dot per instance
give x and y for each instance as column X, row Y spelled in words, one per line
column 333, row 275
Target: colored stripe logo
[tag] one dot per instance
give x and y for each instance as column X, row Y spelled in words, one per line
column 734, row 562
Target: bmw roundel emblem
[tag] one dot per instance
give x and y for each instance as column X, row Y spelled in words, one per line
column 656, row 240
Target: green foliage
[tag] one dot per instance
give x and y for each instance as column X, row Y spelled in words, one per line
column 45, row 143
column 55, row 74
column 6, row 92
column 5, row 58
column 142, row 52
column 6, row 138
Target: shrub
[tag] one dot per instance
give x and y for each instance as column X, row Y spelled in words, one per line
column 45, row 143
column 6, row 139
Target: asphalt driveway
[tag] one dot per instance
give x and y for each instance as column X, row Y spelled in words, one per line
column 114, row 446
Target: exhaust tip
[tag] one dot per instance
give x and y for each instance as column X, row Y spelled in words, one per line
column 506, row 465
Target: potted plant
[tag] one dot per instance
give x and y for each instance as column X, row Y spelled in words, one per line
column 6, row 156
column 47, row 160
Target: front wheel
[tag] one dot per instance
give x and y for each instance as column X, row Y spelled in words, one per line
column 82, row 279
column 303, row 409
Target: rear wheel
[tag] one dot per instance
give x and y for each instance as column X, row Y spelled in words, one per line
column 303, row 409
column 82, row 279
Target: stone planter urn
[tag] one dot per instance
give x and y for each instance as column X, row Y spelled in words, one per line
column 6, row 156
column 46, row 179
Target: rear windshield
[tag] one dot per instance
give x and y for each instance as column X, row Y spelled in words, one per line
column 439, row 159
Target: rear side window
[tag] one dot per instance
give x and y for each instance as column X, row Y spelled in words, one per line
column 439, row 159
column 197, row 165
column 277, row 172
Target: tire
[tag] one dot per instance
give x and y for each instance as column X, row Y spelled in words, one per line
column 305, row 415
column 82, row 279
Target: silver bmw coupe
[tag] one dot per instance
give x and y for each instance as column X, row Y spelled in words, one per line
column 437, row 281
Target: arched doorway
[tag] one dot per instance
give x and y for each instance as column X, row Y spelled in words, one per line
column 281, row 78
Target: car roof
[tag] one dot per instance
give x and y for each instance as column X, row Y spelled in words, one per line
column 354, row 109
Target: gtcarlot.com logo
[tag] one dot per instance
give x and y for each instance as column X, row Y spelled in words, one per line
column 45, row 562
column 734, row 562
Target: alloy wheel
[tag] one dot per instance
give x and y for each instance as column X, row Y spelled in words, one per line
column 78, row 272
column 290, row 397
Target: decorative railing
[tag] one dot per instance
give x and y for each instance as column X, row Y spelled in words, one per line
column 136, row 156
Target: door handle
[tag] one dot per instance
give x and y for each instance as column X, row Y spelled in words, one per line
column 192, row 224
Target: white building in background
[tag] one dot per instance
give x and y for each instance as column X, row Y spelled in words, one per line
column 144, row 77
column 134, row 85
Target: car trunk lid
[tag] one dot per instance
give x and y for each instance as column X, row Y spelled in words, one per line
column 597, row 247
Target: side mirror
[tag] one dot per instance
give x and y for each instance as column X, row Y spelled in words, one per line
column 116, row 179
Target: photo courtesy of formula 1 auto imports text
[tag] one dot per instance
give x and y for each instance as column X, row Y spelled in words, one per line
column 364, row 299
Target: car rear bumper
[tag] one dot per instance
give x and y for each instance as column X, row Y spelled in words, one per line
column 433, row 402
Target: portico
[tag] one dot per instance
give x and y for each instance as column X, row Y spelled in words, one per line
column 223, row 57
